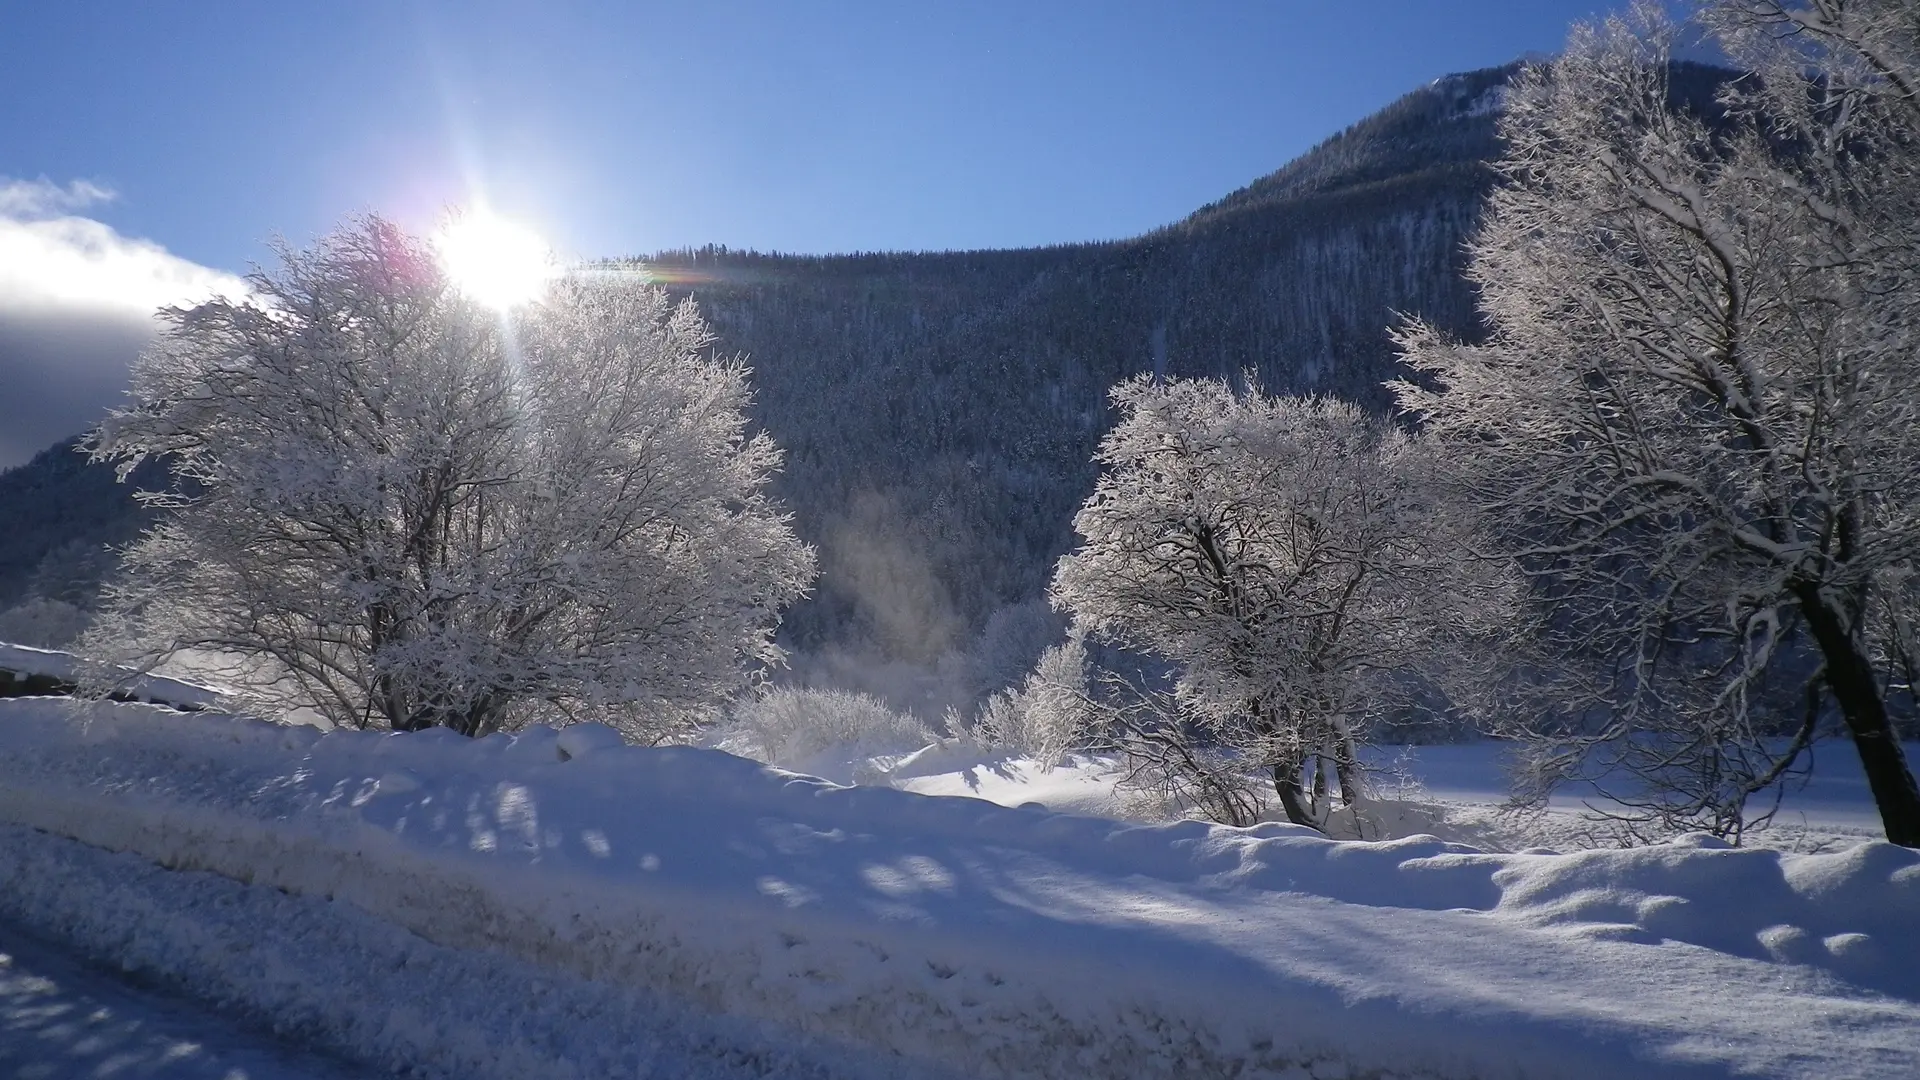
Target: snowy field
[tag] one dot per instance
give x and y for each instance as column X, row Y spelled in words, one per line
column 557, row 904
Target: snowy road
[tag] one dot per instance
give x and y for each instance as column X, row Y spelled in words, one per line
column 60, row 1019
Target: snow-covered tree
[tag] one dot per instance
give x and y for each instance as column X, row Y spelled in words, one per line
column 1696, row 423
column 415, row 512
column 1280, row 554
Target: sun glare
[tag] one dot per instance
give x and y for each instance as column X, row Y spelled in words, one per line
column 500, row 263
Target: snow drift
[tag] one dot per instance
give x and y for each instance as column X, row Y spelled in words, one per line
column 1015, row 942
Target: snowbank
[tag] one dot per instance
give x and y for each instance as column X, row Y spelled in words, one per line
column 1017, row 942
column 1081, row 784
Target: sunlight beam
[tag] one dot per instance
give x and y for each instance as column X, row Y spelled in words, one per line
column 497, row 262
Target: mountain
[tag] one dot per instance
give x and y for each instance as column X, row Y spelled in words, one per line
column 940, row 410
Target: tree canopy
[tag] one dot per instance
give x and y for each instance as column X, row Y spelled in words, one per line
column 404, row 510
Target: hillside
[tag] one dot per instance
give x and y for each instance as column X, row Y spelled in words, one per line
column 941, row 410
column 62, row 514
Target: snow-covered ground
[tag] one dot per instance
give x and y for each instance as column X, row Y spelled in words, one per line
column 1455, row 792
column 1462, row 787
column 914, row 934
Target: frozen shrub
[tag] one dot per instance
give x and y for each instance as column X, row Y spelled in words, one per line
column 792, row 727
column 1048, row 714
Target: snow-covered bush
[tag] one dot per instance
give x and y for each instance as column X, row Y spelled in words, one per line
column 805, row 729
column 1046, row 715
column 417, row 512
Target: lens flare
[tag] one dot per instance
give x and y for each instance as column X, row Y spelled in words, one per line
column 497, row 262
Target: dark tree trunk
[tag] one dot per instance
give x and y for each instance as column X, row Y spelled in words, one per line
column 1286, row 784
column 1850, row 676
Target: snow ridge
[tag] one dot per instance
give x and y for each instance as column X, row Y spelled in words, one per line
column 24, row 661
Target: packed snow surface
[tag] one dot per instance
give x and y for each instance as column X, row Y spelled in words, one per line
column 954, row 933
column 61, row 1019
column 320, row 976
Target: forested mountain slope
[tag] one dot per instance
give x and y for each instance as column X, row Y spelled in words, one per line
column 58, row 516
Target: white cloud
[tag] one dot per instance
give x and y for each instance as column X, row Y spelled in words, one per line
column 80, row 263
column 42, row 197
column 76, row 304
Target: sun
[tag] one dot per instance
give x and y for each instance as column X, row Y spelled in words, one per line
column 500, row 263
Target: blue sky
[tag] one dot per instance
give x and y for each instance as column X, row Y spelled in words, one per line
column 628, row 127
